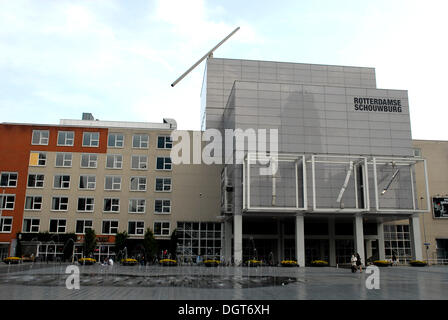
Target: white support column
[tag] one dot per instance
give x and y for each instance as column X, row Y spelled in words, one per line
column 416, row 238
column 300, row 240
column 228, row 241
column 359, row 237
column 238, row 239
column 332, row 241
column 380, row 232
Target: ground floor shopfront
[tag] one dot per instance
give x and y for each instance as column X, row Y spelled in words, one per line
column 330, row 238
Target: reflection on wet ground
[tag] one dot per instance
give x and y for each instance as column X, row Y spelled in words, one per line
column 48, row 281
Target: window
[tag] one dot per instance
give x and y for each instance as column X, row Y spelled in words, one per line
column 40, row 137
column 136, row 227
column 115, row 140
column 161, row 228
column 38, row 159
column 5, row 225
column 89, row 160
column 35, row 180
column 83, row 225
column 139, row 162
column 61, row 181
column 140, row 141
column 30, row 225
column 200, row 239
column 63, row 159
column 162, row 206
column 8, row 179
column 33, row 203
column 57, row 225
column 110, row 227
column 90, row 139
column 87, row 182
column 417, row 152
column 137, row 205
column 66, row 138
column 163, row 184
column 86, row 204
column 163, row 163
column 164, row 142
column 112, row 183
column 7, row 201
column 111, row 205
column 138, row 184
column 114, row 161
column 59, row 203
column 397, row 241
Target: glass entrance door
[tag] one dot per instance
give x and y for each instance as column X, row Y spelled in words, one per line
column 316, row 249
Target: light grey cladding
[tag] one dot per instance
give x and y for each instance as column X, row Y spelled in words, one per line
column 220, row 75
column 320, row 119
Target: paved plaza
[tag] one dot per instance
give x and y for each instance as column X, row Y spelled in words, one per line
column 47, row 281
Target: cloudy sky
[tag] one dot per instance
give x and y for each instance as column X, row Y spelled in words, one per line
column 117, row 58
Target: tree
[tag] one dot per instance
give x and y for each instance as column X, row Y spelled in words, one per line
column 150, row 245
column 173, row 243
column 120, row 242
column 89, row 242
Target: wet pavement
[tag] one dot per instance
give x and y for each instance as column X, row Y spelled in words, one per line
column 47, row 281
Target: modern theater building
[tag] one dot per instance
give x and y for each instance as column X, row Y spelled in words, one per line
column 347, row 178
column 345, row 161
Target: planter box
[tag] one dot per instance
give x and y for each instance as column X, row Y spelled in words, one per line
column 168, row 262
column 86, row 261
column 382, row 263
column 129, row 262
column 418, row 263
column 212, row 263
column 12, row 260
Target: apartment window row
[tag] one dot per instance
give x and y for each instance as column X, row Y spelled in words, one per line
column 108, row 227
column 90, row 160
column 139, row 141
column 92, row 139
column 87, row 204
column 65, row 138
column 88, row 182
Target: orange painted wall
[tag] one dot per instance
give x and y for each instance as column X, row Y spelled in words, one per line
column 15, row 147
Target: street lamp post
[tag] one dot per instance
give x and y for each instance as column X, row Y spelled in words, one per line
column 424, row 230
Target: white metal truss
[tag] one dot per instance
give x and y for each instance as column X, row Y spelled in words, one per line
column 400, row 162
column 347, row 160
column 310, row 161
column 252, row 158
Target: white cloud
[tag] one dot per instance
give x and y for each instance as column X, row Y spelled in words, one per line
column 407, row 50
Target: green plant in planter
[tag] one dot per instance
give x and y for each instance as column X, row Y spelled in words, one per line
column 87, row 261
column 12, row 260
column 382, row 263
column 289, row 263
column 211, row 263
column 168, row 262
column 128, row 262
column 253, row 263
column 319, row 263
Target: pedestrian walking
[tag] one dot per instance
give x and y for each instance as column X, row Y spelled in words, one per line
column 353, row 262
column 394, row 259
column 358, row 262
